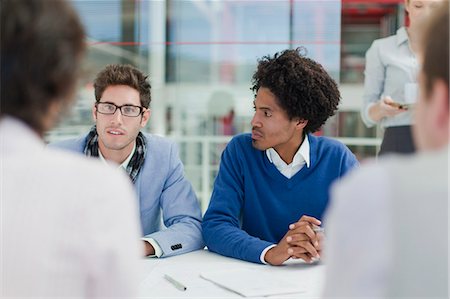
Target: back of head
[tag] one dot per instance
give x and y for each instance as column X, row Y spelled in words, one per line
column 435, row 41
column 302, row 87
column 42, row 43
column 123, row 74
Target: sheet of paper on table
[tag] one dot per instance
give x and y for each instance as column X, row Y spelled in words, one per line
column 251, row 282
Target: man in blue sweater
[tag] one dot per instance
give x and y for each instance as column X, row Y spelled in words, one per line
column 272, row 187
column 122, row 95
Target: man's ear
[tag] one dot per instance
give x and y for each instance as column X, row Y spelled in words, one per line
column 301, row 123
column 145, row 117
column 94, row 113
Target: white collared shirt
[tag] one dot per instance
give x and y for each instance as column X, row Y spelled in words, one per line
column 381, row 203
column 301, row 158
column 391, row 67
column 124, row 165
column 51, row 211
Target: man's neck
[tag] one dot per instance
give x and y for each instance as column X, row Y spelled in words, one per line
column 288, row 150
column 117, row 156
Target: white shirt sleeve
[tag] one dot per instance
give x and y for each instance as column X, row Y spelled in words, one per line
column 263, row 253
column 368, row 120
column 374, row 77
column 158, row 250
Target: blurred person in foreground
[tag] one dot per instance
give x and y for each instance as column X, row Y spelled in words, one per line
column 121, row 110
column 388, row 223
column 272, row 187
column 61, row 215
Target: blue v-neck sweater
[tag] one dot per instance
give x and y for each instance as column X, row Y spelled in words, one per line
column 252, row 203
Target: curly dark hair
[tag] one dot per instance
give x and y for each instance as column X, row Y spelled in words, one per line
column 302, row 87
column 123, row 74
column 42, row 45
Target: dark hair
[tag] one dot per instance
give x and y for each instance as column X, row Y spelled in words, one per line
column 42, row 43
column 123, row 74
column 435, row 41
column 302, row 87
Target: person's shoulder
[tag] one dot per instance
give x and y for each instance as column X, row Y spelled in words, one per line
column 323, row 140
column 327, row 143
column 369, row 170
column 154, row 140
column 364, row 186
column 380, row 45
column 75, row 144
column 399, row 167
column 68, row 161
column 384, row 41
column 242, row 138
column 161, row 147
column 77, row 172
column 162, row 151
column 240, row 143
column 428, row 164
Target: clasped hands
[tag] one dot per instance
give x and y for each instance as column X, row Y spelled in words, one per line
column 300, row 242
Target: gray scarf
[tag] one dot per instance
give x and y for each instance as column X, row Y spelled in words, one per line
column 137, row 160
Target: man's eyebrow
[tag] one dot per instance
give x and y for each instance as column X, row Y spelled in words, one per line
column 126, row 104
column 263, row 107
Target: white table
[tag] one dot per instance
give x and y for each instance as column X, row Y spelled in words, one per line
column 186, row 268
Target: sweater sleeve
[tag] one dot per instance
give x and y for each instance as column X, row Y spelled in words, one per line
column 348, row 161
column 221, row 224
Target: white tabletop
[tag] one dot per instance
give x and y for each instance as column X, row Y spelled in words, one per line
column 186, row 269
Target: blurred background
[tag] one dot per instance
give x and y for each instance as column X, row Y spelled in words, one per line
column 200, row 56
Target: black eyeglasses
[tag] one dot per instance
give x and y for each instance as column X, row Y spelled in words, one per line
column 126, row 110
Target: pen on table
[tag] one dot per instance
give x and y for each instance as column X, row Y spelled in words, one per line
column 175, row 283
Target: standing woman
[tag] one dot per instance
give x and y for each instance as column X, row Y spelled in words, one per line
column 390, row 84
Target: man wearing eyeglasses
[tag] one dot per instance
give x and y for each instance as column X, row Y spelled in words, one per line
column 122, row 95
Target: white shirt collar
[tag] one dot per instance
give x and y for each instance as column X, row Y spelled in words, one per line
column 301, row 156
column 402, row 36
column 124, row 163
